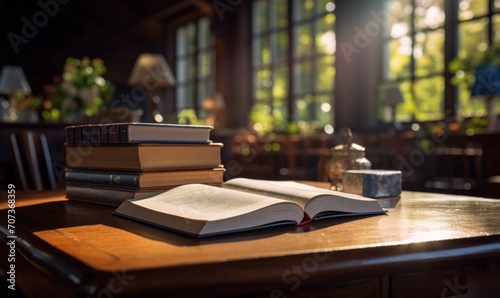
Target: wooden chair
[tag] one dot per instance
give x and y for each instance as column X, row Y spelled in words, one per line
column 32, row 161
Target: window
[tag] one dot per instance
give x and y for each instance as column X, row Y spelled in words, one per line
column 478, row 27
column 416, row 44
column 416, row 57
column 195, row 72
column 293, row 55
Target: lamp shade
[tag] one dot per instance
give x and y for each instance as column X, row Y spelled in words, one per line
column 152, row 72
column 393, row 96
column 487, row 81
column 13, row 80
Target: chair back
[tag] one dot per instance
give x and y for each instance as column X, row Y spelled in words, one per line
column 32, row 161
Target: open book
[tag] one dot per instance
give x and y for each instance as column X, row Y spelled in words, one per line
column 243, row 204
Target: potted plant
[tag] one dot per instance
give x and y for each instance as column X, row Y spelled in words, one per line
column 80, row 91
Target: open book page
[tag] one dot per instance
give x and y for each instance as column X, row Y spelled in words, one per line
column 313, row 200
column 286, row 190
column 206, row 203
column 202, row 210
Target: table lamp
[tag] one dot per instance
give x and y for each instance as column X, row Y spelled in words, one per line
column 487, row 86
column 12, row 82
column 153, row 73
column 393, row 97
column 214, row 105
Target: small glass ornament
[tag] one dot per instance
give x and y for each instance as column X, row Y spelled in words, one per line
column 346, row 156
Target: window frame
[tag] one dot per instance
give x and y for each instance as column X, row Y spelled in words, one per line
column 451, row 47
column 195, row 80
column 291, row 61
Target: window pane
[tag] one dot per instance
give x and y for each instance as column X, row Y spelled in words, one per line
column 259, row 22
column 280, row 83
column 204, row 64
column 429, row 95
column 279, row 93
column 406, row 109
column 191, row 68
column 496, row 28
column 304, row 110
column 181, row 71
column 467, row 106
column 326, row 73
column 400, row 51
column 473, row 38
column 181, row 97
column 496, row 4
column 190, row 98
column 400, row 12
column 279, row 42
column 325, row 36
column 280, row 112
column 324, row 109
column 263, row 84
column 303, row 77
column 261, row 51
column 468, row 9
column 303, row 9
column 279, row 13
column 325, row 6
column 302, row 39
column 429, row 53
column 429, row 14
column 190, row 38
column 202, row 92
column 180, row 41
column 204, row 36
column 194, row 64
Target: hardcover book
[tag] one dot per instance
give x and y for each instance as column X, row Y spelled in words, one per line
column 144, row 180
column 143, row 157
column 243, row 204
column 107, row 196
column 136, row 132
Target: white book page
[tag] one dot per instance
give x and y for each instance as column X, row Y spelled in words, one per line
column 287, row 190
column 313, row 200
column 206, row 203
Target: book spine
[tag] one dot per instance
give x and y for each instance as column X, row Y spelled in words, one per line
column 78, row 134
column 85, row 134
column 123, row 131
column 113, row 134
column 70, row 134
column 95, row 135
column 103, row 134
column 98, row 195
column 121, row 180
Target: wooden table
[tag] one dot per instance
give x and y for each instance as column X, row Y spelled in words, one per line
column 428, row 245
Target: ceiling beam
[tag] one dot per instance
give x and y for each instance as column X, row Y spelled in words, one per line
column 205, row 7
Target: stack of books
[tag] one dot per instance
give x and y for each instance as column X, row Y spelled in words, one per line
column 111, row 163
